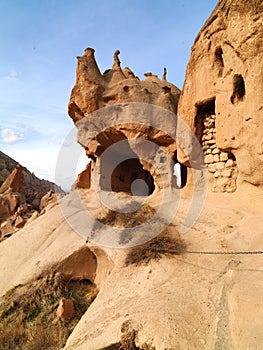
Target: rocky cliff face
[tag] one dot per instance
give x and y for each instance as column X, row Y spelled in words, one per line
column 223, row 92
column 22, row 195
column 89, row 107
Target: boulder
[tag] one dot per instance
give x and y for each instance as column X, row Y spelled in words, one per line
column 20, row 221
column 65, row 310
column 47, row 199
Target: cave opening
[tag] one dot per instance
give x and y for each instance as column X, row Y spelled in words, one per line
column 239, row 89
column 206, row 108
column 128, row 175
column 219, row 62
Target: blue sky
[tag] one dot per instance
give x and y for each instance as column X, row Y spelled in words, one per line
column 40, row 41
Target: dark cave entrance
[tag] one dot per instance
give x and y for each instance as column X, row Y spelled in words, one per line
column 128, row 175
column 239, row 89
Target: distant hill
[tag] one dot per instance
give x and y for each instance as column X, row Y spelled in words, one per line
column 32, row 184
column 23, row 196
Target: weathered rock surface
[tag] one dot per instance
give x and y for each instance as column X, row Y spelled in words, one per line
column 94, row 90
column 186, row 301
column 224, row 81
column 99, row 131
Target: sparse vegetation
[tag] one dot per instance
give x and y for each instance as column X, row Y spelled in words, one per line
column 155, row 249
column 131, row 219
column 28, row 313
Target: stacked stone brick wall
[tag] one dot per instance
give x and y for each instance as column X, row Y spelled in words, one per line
column 222, row 165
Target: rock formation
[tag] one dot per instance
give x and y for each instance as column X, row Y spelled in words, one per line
column 223, row 92
column 65, row 310
column 92, row 92
column 21, row 196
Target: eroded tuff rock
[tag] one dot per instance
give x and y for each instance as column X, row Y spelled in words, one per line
column 104, row 127
column 94, row 90
column 22, row 195
column 222, row 98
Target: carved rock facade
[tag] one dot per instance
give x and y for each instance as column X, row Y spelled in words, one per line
column 224, row 87
column 130, row 96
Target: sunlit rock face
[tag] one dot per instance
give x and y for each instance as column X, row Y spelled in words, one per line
column 222, row 98
column 113, row 112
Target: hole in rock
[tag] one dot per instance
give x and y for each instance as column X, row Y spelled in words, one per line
column 219, row 62
column 180, row 173
column 206, row 108
column 239, row 89
column 129, row 176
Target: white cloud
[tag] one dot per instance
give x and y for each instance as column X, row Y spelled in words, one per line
column 10, row 137
column 13, row 76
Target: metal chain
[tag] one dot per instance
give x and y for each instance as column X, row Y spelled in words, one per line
column 211, row 253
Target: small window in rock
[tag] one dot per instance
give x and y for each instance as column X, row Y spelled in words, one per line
column 239, row 89
column 180, row 173
column 219, row 60
column 205, row 112
column 206, row 108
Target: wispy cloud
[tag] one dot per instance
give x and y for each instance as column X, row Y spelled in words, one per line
column 10, row 137
column 13, row 76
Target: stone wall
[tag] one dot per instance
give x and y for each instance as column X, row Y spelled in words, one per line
column 222, row 165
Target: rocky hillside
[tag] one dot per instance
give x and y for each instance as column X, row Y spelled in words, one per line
column 33, row 188
column 22, row 195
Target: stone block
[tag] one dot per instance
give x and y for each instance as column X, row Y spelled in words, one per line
column 215, row 151
column 211, row 168
column 209, row 159
column 229, row 163
column 210, row 142
column 223, row 157
column 216, row 158
column 226, row 173
column 220, row 166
